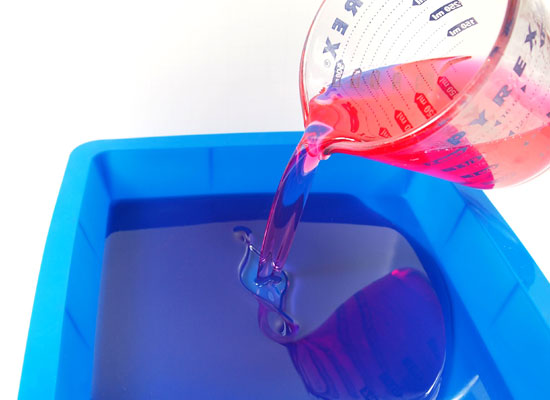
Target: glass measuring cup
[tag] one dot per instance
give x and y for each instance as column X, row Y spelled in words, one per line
column 455, row 89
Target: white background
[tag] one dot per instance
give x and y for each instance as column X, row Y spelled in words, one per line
column 74, row 71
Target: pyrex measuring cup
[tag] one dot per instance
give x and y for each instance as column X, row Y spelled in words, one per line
column 455, row 89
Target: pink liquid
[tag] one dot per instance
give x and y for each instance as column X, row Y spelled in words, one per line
column 388, row 115
column 285, row 214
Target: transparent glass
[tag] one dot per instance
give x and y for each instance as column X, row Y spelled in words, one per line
column 455, row 89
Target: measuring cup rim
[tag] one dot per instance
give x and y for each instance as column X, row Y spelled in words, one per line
column 474, row 85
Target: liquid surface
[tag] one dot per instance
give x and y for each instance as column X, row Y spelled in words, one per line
column 174, row 322
column 386, row 341
column 183, row 312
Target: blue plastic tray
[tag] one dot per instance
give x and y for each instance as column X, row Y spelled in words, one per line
column 493, row 283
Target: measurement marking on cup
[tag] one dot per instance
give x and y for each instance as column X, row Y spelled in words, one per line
column 446, row 9
column 461, row 27
column 446, row 85
column 424, row 105
column 447, row 157
column 464, row 164
column 385, row 133
column 479, row 173
column 402, row 121
column 419, row 2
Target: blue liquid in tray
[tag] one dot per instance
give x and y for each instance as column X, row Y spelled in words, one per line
column 175, row 322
